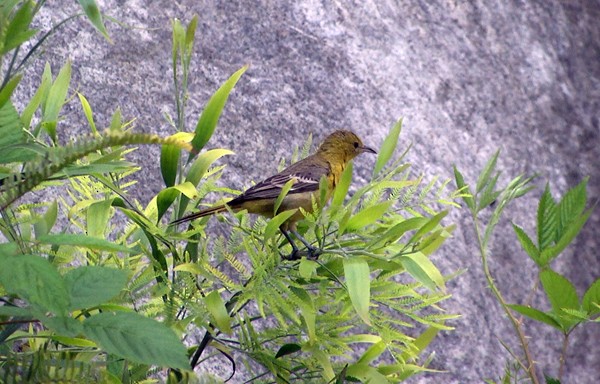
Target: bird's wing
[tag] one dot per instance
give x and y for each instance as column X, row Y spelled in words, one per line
column 307, row 178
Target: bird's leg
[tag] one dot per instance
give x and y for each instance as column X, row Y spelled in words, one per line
column 295, row 254
column 313, row 252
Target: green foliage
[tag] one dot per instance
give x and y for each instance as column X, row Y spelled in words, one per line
column 557, row 226
column 111, row 303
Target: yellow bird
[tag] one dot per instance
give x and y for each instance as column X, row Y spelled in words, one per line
column 329, row 160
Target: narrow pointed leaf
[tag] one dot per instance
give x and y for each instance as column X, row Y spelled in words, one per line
column 367, row 216
column 547, row 220
column 527, row 244
column 79, row 240
column 486, row 173
column 591, row 299
column 95, row 16
column 387, row 147
column 358, row 282
column 56, row 99
column 341, row 189
column 284, row 191
column 460, row 184
column 536, row 314
column 276, row 222
column 423, row 270
column 210, row 116
column 216, row 307
column 8, row 89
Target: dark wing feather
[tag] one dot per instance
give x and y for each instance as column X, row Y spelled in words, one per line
column 307, row 175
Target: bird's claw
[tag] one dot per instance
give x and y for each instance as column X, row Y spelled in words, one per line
column 310, row 253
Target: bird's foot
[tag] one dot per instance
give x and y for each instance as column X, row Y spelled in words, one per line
column 310, row 253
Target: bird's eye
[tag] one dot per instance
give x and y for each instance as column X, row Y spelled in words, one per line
column 356, row 144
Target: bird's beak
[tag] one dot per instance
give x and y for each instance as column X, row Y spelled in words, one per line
column 364, row 148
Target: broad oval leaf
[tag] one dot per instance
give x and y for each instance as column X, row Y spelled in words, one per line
column 358, row 283
column 90, row 286
column 35, row 280
column 137, row 338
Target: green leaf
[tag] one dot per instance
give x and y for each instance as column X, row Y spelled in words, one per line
column 167, row 196
column 47, row 221
column 571, row 206
column 560, row 291
column 210, row 116
column 56, row 99
column 421, row 342
column 387, row 147
column 535, row 314
column 551, row 380
column 358, row 283
column 429, row 226
column 489, row 194
column 527, row 244
column 284, row 191
column 169, row 162
column 591, row 299
column 90, row 286
column 567, row 237
column 341, row 189
column 87, row 111
column 276, row 222
column 395, row 232
column 63, row 325
column 547, row 220
column 93, row 14
column 8, row 89
column 423, row 270
column 11, row 132
column 486, row 173
column 288, row 349
column 460, row 184
column 372, row 353
column 84, row 241
column 203, row 162
column 35, row 280
column 98, row 214
column 38, row 98
column 17, row 32
column 366, row 217
column 137, row 338
column 216, row 307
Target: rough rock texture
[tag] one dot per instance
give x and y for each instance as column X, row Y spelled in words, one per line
column 468, row 77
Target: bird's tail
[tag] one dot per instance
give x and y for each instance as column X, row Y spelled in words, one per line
column 202, row 213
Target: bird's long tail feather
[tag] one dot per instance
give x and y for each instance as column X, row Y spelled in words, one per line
column 202, row 213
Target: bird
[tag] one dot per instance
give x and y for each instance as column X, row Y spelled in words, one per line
column 329, row 161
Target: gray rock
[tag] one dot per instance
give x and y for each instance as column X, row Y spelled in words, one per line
column 468, row 78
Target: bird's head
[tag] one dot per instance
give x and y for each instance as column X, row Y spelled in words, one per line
column 343, row 146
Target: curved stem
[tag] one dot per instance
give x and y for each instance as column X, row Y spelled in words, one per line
column 530, row 367
column 563, row 357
